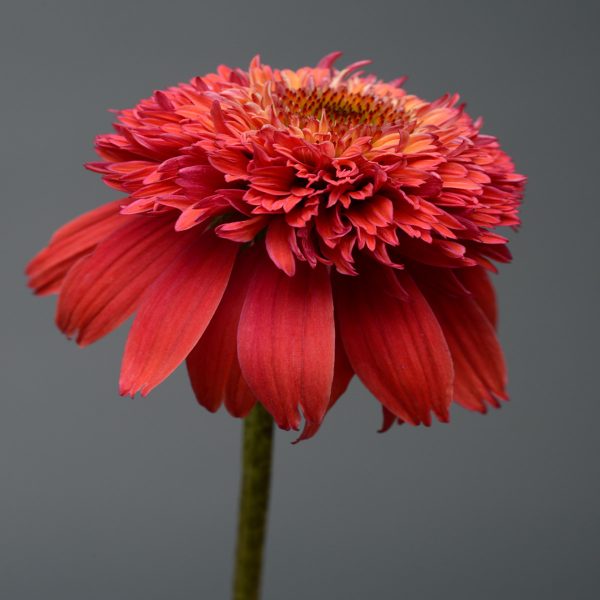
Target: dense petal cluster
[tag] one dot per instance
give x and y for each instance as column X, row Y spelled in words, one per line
column 282, row 230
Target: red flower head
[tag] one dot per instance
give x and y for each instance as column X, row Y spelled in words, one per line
column 282, row 230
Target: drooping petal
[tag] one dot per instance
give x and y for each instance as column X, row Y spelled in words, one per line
column 213, row 365
column 286, row 341
column 175, row 311
column 477, row 281
column 478, row 362
column 72, row 241
column 389, row 418
column 342, row 374
column 394, row 343
column 103, row 289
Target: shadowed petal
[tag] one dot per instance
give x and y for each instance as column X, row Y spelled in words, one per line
column 213, row 364
column 342, row 372
column 286, row 341
column 389, row 418
column 394, row 343
column 476, row 353
column 175, row 311
column 477, row 281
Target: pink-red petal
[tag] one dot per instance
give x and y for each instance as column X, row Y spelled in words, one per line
column 477, row 281
column 279, row 245
column 72, row 241
column 342, row 374
column 175, row 311
column 394, row 343
column 103, row 289
column 286, row 341
column 477, row 355
column 213, row 365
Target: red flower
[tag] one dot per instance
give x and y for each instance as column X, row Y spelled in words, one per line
column 283, row 230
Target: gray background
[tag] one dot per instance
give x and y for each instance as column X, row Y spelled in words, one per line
column 111, row 498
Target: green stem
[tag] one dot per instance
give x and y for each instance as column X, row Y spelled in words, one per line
column 254, row 502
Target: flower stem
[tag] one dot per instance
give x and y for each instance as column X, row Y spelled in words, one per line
column 254, row 502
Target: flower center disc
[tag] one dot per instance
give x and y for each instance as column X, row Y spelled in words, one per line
column 343, row 109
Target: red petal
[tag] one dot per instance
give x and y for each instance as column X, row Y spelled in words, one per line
column 395, row 345
column 477, row 281
column 69, row 243
column 175, row 311
column 242, row 231
column 478, row 361
column 342, row 374
column 103, row 289
column 436, row 254
column 389, row 418
column 286, row 341
column 88, row 220
column 213, row 364
column 279, row 245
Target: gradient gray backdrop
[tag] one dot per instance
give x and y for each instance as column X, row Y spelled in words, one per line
column 105, row 498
